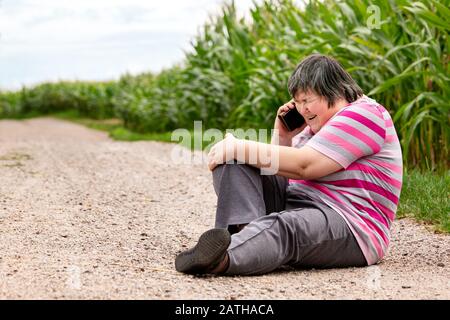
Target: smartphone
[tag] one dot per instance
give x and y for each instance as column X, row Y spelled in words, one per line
column 292, row 119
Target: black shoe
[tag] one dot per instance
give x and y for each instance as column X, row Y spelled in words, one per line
column 207, row 253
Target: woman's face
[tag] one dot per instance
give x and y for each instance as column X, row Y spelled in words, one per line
column 314, row 109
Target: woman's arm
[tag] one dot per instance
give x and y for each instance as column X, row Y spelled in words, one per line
column 304, row 163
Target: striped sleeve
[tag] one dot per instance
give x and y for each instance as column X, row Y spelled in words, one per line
column 355, row 132
column 302, row 138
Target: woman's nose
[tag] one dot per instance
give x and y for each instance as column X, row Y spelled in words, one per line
column 303, row 109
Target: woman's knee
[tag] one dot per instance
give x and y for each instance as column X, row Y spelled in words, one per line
column 232, row 168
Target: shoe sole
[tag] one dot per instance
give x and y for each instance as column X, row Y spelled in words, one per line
column 210, row 248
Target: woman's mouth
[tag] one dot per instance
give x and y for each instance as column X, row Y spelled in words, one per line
column 311, row 118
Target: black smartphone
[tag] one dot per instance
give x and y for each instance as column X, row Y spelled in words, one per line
column 292, row 119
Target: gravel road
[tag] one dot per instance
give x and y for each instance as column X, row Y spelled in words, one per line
column 86, row 217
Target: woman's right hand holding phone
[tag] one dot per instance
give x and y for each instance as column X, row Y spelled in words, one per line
column 284, row 135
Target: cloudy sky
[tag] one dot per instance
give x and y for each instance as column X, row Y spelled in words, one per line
column 48, row 40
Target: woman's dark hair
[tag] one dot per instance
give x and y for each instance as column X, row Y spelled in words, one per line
column 324, row 76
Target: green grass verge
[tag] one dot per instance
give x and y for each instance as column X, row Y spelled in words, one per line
column 117, row 131
column 114, row 127
column 425, row 195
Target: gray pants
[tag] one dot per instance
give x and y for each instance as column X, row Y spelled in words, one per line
column 282, row 229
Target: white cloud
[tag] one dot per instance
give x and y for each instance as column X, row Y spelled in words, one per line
column 57, row 39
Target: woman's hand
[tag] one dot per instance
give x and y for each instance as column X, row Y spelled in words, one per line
column 284, row 135
column 222, row 151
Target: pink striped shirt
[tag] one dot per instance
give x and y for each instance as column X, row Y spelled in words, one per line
column 362, row 139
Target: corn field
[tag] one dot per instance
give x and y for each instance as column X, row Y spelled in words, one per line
column 236, row 72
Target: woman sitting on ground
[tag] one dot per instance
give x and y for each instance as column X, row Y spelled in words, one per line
column 334, row 193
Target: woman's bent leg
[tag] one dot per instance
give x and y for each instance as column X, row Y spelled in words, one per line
column 243, row 194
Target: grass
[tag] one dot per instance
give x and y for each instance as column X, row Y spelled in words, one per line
column 13, row 159
column 113, row 126
column 117, row 131
column 124, row 134
column 425, row 195
column 14, row 156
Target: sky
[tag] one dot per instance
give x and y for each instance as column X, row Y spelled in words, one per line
column 51, row 40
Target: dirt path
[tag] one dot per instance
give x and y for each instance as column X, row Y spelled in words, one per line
column 82, row 216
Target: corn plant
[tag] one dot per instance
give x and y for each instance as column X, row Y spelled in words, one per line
column 236, row 71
